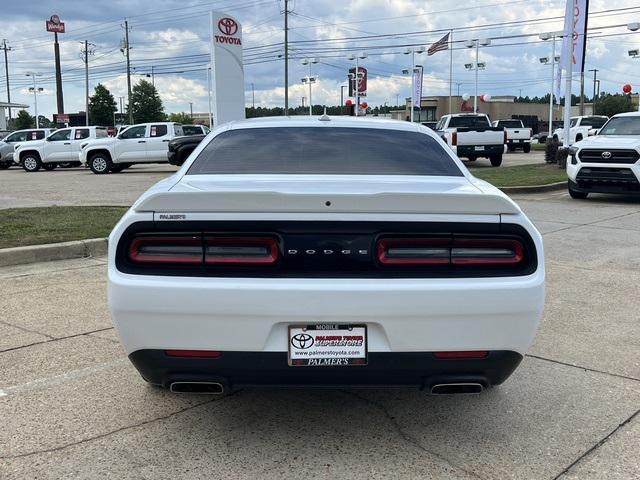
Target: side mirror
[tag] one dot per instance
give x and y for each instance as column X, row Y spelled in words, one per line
column 119, row 136
column 47, row 139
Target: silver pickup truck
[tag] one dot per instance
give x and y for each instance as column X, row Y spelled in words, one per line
column 471, row 136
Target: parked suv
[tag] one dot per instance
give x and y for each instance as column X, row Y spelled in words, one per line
column 7, row 145
column 143, row 143
column 58, row 149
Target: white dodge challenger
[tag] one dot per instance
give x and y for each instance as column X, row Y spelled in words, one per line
column 325, row 251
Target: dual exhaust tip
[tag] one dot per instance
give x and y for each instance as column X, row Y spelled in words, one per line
column 217, row 388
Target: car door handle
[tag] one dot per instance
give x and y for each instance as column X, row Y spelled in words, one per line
column 165, row 140
column 142, row 141
column 67, row 143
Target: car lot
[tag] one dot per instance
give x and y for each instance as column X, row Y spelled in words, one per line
column 72, row 404
column 78, row 186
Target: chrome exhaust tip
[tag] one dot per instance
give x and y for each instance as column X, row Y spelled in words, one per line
column 456, row 388
column 203, row 388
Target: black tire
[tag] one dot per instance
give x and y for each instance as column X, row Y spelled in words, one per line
column 49, row 166
column 576, row 194
column 100, row 164
column 4, row 166
column 555, row 138
column 117, row 168
column 31, row 162
column 512, row 148
column 496, row 160
column 526, row 148
column 472, row 159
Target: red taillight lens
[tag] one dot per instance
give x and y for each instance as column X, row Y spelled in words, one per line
column 505, row 136
column 413, row 251
column 193, row 353
column 169, row 249
column 460, row 355
column 454, row 139
column 478, row 251
column 241, row 250
column 449, row 251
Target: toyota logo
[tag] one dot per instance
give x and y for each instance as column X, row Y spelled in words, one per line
column 606, row 155
column 302, row 341
column 227, row 26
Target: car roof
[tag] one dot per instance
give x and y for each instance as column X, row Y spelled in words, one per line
column 627, row 114
column 325, row 121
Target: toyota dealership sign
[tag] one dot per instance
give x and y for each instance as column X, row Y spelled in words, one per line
column 226, row 68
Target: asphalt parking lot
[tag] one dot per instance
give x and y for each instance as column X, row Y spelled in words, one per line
column 78, row 186
column 73, row 406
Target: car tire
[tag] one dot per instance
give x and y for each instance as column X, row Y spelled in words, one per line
column 49, row 166
column 496, row 160
column 100, row 164
column 4, row 166
column 576, row 194
column 31, row 163
column 526, row 148
column 512, row 148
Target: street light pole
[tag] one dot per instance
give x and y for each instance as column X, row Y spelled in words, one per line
column 475, row 97
column 412, row 70
column 33, row 75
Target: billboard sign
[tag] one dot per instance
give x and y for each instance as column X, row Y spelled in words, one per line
column 55, row 25
column 226, row 68
column 362, row 82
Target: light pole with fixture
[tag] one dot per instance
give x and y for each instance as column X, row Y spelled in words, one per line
column 309, row 79
column 35, row 91
column 413, row 70
column 553, row 60
column 476, row 44
column 356, row 77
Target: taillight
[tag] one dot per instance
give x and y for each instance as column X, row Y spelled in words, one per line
column 169, row 249
column 505, row 136
column 454, row 139
column 241, row 250
column 449, row 251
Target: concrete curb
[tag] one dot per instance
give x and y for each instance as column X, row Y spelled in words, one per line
column 93, row 247
column 536, row 188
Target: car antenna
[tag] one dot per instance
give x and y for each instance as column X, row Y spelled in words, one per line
column 325, row 117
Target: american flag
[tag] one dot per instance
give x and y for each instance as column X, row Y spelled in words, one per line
column 440, row 45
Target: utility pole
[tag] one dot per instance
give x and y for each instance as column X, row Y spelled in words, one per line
column 595, row 81
column 6, row 72
column 253, row 97
column 582, row 93
column 153, row 77
column 286, row 57
column 121, row 111
column 126, row 52
column 85, row 58
column 191, row 110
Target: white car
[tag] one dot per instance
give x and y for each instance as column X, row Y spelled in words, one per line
column 325, row 251
column 142, row 143
column 8, row 143
column 581, row 128
column 57, row 149
column 608, row 162
column 471, row 135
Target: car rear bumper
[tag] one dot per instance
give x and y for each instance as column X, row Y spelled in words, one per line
column 518, row 141
column 402, row 369
column 470, row 150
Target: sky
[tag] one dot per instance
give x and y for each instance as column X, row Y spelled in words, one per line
column 172, row 37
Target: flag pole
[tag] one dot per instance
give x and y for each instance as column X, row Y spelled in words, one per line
column 450, row 67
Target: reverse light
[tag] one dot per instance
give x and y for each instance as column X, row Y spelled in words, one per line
column 241, row 250
column 169, row 249
column 414, row 251
column 454, row 139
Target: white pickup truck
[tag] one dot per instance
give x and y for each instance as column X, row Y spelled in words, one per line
column 8, row 143
column 581, row 128
column 142, row 143
column 517, row 135
column 472, row 136
column 57, row 149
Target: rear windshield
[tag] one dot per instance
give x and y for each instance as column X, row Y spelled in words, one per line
column 510, row 124
column 324, row 150
column 468, row 122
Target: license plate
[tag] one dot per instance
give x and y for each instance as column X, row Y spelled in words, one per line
column 479, row 149
column 327, row 345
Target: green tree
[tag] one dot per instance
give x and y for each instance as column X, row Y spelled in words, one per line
column 145, row 103
column 102, row 106
column 24, row 120
column 44, row 122
column 181, row 117
column 612, row 104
